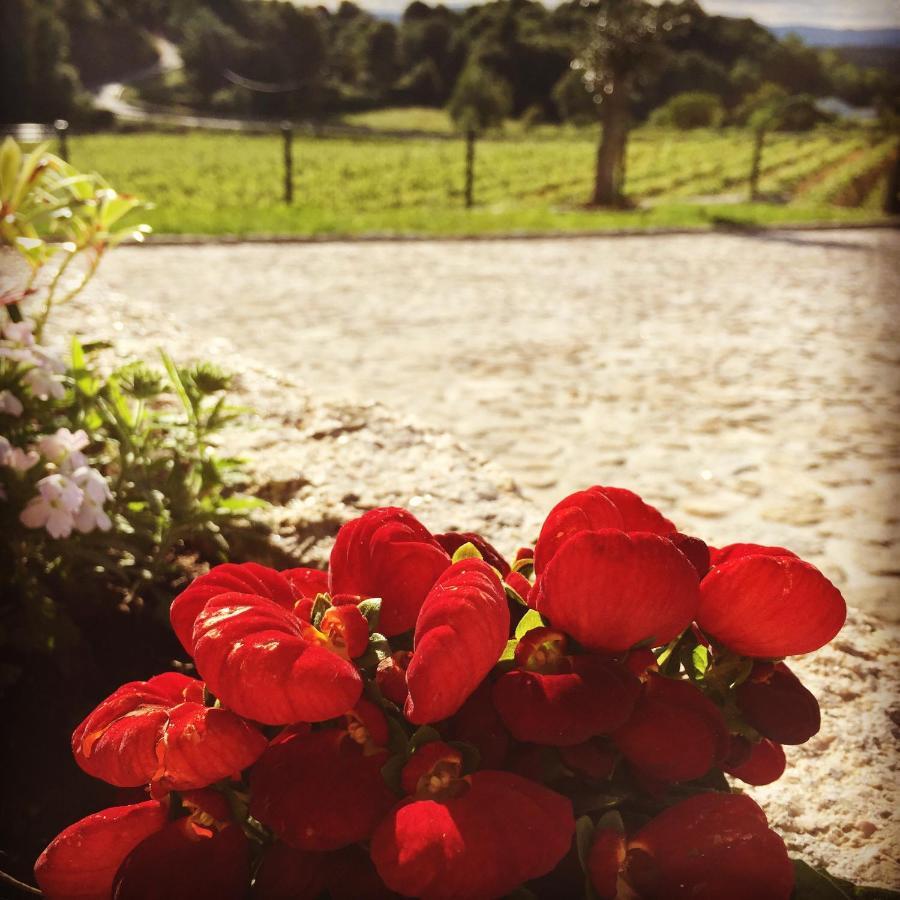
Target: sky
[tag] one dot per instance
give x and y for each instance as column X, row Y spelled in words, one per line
column 819, row 13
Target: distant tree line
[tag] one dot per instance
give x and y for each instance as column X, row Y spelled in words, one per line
column 268, row 57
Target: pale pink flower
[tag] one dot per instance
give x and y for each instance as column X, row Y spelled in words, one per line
column 44, row 384
column 55, row 506
column 15, row 457
column 10, row 404
column 96, row 492
column 64, row 448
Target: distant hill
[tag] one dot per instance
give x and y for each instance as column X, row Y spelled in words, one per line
column 841, row 37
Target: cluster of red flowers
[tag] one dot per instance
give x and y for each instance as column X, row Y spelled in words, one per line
column 427, row 720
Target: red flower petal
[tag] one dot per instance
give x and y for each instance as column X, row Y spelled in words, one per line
column 185, row 862
column 431, row 759
column 594, row 759
column 568, row 708
column 254, row 656
column 636, row 514
column 778, row 706
column 694, row 549
column 285, row 873
column 246, row 578
column 612, row 590
column 605, row 860
column 390, row 676
column 319, row 791
column 81, row 862
column 675, row 733
column 387, row 553
column 451, row 541
column 307, row 582
column 478, row 723
column 709, row 847
column 146, row 732
column 718, row 557
column 764, row 764
column 347, row 630
column 503, row 831
column 351, row 876
column 770, row 606
column 461, row 632
column 589, row 510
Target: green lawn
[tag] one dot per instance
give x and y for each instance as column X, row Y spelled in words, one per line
column 214, row 183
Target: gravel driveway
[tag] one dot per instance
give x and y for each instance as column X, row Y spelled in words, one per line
column 748, row 384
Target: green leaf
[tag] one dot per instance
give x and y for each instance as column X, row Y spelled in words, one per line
column 699, row 660
column 391, row 772
column 424, row 735
column 513, row 594
column 467, row 551
column 584, row 835
column 510, row 651
column 178, row 384
column 378, row 649
column 371, row 609
column 817, row 884
column 531, row 620
column 320, row 606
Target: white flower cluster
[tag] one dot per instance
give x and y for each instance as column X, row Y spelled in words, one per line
column 18, row 345
column 71, row 496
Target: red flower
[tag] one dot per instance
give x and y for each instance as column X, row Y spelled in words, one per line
column 475, row 837
column 708, row 847
column 675, row 733
column 562, row 700
column 722, row 555
column 770, row 606
column 479, row 724
column 461, row 632
column 159, row 732
column 81, row 862
column 762, row 763
column 596, row 509
column 187, row 861
column 589, row 510
column 307, row 582
column 286, row 873
column 777, row 705
column 387, row 553
column 320, row 790
column 451, row 541
column 265, row 663
column 694, row 549
column 246, row 578
column 390, row 676
column 595, row 759
column 612, row 590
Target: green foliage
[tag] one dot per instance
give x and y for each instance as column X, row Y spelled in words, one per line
column 480, row 100
column 693, row 109
column 107, row 477
column 215, row 184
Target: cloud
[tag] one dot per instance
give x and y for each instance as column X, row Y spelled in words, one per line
column 820, row 13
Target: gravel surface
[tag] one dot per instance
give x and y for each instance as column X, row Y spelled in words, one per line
column 746, row 385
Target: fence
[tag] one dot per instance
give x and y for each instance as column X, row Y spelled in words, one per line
column 343, row 171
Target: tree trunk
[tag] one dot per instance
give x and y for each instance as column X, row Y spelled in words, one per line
column 756, row 165
column 609, row 180
column 470, row 168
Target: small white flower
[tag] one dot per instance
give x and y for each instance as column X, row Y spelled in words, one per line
column 96, row 491
column 43, row 384
column 10, row 404
column 15, row 457
column 64, row 448
column 19, row 333
column 54, row 507
column 49, row 360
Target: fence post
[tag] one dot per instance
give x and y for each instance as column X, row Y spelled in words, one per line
column 61, row 127
column 288, row 136
column 470, row 168
column 758, row 139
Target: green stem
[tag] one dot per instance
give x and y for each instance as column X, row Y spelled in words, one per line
column 51, row 293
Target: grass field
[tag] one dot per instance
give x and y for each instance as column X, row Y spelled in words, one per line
column 226, row 183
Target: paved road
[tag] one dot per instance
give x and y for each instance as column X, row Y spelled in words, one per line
column 746, row 383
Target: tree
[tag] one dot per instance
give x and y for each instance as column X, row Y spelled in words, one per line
column 625, row 46
column 480, row 101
